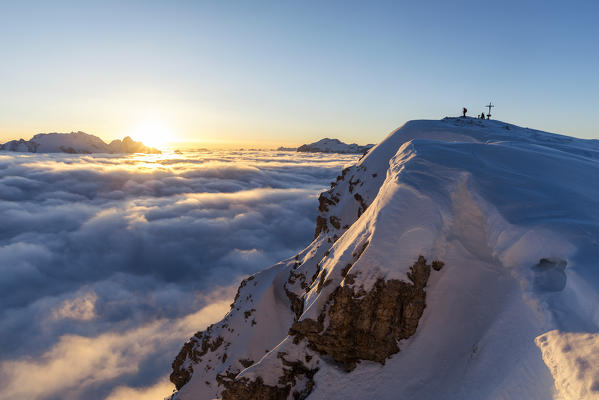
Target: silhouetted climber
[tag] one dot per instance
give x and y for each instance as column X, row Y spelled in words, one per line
column 482, row 116
column 464, row 111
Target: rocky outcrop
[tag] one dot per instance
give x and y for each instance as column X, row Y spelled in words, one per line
column 367, row 325
column 244, row 389
column 325, row 222
column 193, row 350
column 354, row 325
column 297, row 380
column 321, row 226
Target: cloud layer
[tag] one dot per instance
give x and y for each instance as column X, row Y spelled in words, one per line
column 106, row 260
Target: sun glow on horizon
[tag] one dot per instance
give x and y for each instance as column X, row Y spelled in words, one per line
column 153, row 133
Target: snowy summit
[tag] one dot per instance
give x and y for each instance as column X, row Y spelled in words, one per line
column 327, row 145
column 76, row 143
column 456, row 260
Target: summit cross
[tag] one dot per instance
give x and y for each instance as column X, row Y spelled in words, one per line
column 489, row 105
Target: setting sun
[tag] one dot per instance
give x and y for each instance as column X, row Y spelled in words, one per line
column 153, row 133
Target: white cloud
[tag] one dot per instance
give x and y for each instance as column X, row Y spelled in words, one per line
column 99, row 255
column 76, row 362
column 160, row 390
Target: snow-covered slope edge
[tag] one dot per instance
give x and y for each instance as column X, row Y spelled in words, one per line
column 438, row 259
column 75, row 143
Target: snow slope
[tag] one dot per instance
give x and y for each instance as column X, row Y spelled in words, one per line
column 327, row 145
column 75, row 142
column 458, row 259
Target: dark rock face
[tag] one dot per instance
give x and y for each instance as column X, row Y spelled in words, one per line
column 335, row 221
column 244, row 389
column 196, row 347
column 246, row 362
column 321, row 226
column 363, row 205
column 324, row 202
column 297, row 303
column 367, row 325
column 68, row 149
column 293, row 373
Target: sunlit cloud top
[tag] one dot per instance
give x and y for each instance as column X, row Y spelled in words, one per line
column 108, row 263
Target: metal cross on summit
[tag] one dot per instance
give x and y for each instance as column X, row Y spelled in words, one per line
column 489, row 105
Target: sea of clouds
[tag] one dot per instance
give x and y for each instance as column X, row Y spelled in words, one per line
column 108, row 264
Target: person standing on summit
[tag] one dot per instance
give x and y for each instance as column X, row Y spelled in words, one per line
column 464, row 111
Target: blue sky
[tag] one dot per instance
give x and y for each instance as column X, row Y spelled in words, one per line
column 290, row 72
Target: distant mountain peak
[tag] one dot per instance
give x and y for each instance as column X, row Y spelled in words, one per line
column 328, row 145
column 76, row 143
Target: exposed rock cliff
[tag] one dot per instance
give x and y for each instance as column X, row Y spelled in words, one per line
column 367, row 325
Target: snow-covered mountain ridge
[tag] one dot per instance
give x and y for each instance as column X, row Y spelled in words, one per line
column 76, row 143
column 327, row 145
column 458, row 259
